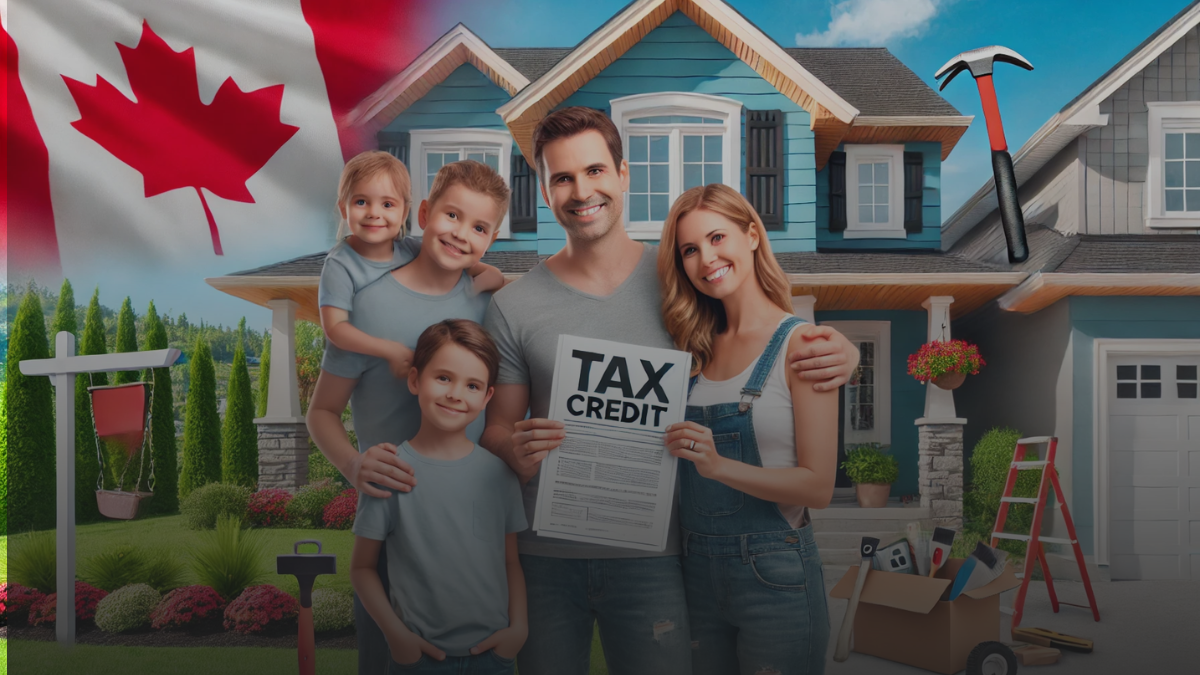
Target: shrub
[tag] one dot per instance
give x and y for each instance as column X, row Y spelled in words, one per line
column 201, row 424
column 86, row 599
column 17, row 600
column 32, row 561
column 114, row 568
column 206, row 504
column 990, row 461
column 339, row 513
column 126, row 608
column 162, row 423
column 868, row 464
column 30, row 418
column 331, row 610
column 87, row 467
column 163, row 571
column 187, row 607
column 258, row 607
column 239, row 436
column 230, row 558
column 937, row 358
column 307, row 508
column 268, row 508
column 321, row 469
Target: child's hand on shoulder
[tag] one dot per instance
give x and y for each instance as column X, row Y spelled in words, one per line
column 407, row 648
column 506, row 642
column 400, row 360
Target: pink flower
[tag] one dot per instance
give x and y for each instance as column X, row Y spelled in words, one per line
column 186, row 604
column 339, row 513
column 259, row 606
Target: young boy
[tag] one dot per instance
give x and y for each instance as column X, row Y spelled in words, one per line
column 457, row 590
column 461, row 218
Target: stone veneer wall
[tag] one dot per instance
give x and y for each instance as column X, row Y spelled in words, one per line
column 940, row 473
column 282, row 455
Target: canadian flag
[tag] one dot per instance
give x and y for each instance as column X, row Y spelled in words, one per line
column 185, row 135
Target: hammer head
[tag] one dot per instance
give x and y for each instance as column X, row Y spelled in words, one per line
column 979, row 62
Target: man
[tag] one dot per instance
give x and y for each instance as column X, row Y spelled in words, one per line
column 602, row 284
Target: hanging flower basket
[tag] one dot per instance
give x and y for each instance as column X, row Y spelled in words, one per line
column 946, row 364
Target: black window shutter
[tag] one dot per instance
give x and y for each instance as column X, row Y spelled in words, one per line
column 522, row 206
column 837, row 191
column 395, row 143
column 914, row 187
column 765, row 165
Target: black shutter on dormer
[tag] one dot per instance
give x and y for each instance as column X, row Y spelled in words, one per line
column 914, row 188
column 522, row 206
column 837, row 191
column 394, row 143
column 764, row 165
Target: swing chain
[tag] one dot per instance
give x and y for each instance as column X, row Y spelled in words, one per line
column 146, row 444
column 96, row 434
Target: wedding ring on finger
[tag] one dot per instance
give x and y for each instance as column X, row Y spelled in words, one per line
column 693, row 445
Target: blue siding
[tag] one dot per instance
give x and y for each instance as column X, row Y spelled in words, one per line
column 679, row 56
column 930, row 236
column 466, row 99
column 1113, row 317
column 908, row 395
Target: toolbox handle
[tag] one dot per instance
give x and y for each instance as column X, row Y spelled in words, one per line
column 296, row 547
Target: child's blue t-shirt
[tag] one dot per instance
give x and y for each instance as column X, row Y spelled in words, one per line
column 445, row 546
column 346, row 272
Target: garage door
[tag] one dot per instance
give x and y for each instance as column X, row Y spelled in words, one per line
column 1154, row 455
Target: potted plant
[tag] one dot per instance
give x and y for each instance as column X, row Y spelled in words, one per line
column 946, row 364
column 873, row 473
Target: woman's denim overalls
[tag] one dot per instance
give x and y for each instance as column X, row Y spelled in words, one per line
column 755, row 591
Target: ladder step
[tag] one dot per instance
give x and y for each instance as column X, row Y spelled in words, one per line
column 1020, row 500
column 1033, row 440
column 1005, row 535
column 1057, row 540
column 1029, row 465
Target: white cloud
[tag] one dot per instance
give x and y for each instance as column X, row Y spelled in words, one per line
column 872, row 22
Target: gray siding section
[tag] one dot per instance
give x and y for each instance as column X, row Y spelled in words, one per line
column 1117, row 154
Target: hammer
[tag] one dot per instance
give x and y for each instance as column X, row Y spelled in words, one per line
column 306, row 568
column 979, row 62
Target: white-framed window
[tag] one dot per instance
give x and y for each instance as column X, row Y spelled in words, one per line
column 1173, row 175
column 874, row 192
column 868, row 394
column 673, row 142
column 431, row 149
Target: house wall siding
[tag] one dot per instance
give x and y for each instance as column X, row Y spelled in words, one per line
column 679, row 56
column 930, row 236
column 1112, row 317
column 908, row 333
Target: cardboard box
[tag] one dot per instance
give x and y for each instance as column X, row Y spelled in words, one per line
column 903, row 617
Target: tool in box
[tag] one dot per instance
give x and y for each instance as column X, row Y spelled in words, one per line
column 1047, row 638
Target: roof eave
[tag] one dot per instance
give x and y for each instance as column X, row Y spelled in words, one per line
column 1041, row 290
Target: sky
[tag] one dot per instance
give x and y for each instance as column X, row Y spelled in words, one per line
column 1070, row 43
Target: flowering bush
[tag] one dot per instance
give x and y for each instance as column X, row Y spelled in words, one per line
column 938, row 358
column 86, row 599
column 126, row 608
column 268, row 508
column 258, row 607
column 307, row 508
column 187, row 607
column 331, row 610
column 339, row 514
column 16, row 601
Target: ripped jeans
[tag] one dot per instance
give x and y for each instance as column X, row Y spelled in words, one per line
column 638, row 603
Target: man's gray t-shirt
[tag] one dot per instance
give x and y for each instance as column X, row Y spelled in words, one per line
column 525, row 319
column 384, row 410
column 445, row 546
column 345, row 272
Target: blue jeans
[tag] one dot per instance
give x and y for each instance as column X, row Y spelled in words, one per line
column 638, row 602
column 488, row 663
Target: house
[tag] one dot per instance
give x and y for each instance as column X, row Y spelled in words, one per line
column 839, row 150
column 1100, row 344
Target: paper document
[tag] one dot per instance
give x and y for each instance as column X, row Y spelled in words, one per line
column 612, row 481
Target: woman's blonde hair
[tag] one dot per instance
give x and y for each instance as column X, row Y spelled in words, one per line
column 365, row 166
column 691, row 317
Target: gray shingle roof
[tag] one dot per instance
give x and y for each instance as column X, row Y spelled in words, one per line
column 532, row 62
column 1134, row 253
column 859, row 262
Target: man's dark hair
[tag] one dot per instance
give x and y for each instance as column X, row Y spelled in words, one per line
column 572, row 122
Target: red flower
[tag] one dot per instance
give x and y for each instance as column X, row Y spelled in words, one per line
column 268, row 508
column 259, row 606
column 339, row 513
column 186, row 605
column 16, row 600
column 86, row 599
column 937, row 358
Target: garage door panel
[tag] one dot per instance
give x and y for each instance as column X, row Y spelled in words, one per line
column 1146, row 463
column 1127, row 429
column 1160, row 537
column 1194, row 428
column 1136, row 498
column 1194, row 500
column 1124, row 566
column 1196, row 566
column 1194, row 468
column 1195, row 534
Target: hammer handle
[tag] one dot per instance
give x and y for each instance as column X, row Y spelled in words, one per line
column 307, row 642
column 842, row 651
column 1011, row 219
column 991, row 112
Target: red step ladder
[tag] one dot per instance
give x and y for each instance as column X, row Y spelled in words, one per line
column 1035, row 551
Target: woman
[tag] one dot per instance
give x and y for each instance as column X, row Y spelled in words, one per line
column 760, row 445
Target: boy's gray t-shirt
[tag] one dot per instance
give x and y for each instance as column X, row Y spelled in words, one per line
column 346, row 272
column 525, row 319
column 383, row 408
column 445, row 546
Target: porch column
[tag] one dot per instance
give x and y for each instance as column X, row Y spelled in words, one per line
column 940, row 440
column 803, row 305
column 282, row 434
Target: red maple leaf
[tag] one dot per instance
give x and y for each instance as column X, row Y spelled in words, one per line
column 174, row 139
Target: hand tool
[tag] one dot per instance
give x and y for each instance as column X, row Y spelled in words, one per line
column 306, row 567
column 983, row 565
column 943, row 539
column 867, row 549
column 1048, row 638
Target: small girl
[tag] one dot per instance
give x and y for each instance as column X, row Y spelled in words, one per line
column 761, row 447
column 373, row 200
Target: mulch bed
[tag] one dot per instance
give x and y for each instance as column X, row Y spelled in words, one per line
column 86, row 633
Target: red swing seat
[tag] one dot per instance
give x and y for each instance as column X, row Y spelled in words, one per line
column 121, row 415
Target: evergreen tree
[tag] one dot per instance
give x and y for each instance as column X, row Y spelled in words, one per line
column 3, row 459
column 30, row 416
column 162, row 421
column 264, row 374
column 239, row 457
column 201, row 425
column 87, row 465
column 126, row 341
column 93, row 337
